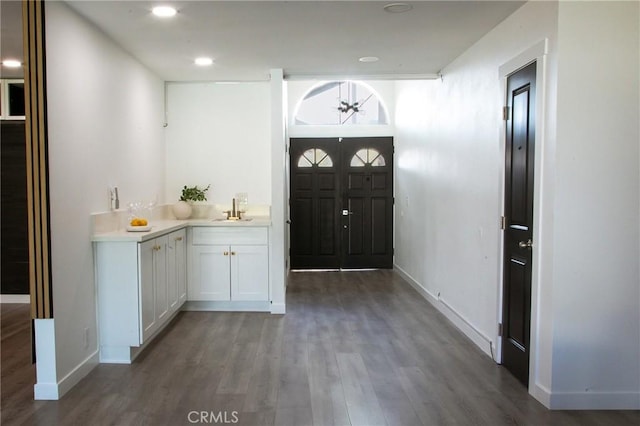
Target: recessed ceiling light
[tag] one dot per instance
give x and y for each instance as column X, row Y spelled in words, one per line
column 12, row 63
column 397, row 7
column 203, row 62
column 164, row 11
column 369, row 59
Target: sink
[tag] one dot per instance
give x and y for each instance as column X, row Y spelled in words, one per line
column 221, row 219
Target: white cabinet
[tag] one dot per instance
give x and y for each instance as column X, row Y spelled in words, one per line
column 153, row 286
column 177, row 269
column 249, row 272
column 140, row 286
column 162, row 280
column 229, row 264
column 210, row 273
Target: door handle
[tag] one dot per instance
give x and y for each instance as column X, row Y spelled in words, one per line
column 526, row 244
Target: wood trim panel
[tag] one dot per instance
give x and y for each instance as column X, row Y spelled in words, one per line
column 37, row 159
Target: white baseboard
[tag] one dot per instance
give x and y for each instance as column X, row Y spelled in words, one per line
column 46, row 386
column 224, row 306
column 541, row 393
column 595, row 401
column 278, row 309
column 15, row 298
column 45, row 392
column 464, row 325
column 432, row 298
column 115, row 355
column 126, row 354
column 78, row 373
column 55, row 391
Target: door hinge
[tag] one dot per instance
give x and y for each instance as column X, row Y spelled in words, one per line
column 505, row 113
column 503, row 223
column 500, row 330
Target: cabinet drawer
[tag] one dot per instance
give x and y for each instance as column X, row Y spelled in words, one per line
column 220, row 235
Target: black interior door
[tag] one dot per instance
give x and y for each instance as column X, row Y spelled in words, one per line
column 367, row 185
column 341, row 205
column 519, row 174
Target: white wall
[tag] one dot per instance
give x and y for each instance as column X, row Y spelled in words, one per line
column 596, row 294
column 449, row 174
column 231, row 136
column 219, row 134
column 105, row 128
column 586, row 291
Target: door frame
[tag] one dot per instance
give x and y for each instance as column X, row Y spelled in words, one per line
column 538, row 53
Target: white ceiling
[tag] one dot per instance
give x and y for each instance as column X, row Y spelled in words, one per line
column 305, row 38
column 10, row 36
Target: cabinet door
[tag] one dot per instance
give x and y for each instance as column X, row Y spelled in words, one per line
column 160, row 278
column 210, row 272
column 249, row 273
column 181, row 267
column 176, row 269
column 148, row 317
column 172, row 276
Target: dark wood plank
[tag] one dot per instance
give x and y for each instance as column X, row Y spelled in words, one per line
column 354, row 348
column 362, row 403
column 328, row 403
column 262, row 393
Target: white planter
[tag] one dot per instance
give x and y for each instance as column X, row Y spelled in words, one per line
column 182, row 210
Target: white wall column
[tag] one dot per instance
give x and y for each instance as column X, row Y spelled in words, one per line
column 277, row 255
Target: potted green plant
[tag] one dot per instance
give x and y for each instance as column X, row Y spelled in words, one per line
column 194, row 193
column 183, row 208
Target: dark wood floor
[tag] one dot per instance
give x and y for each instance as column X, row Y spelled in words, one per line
column 355, row 348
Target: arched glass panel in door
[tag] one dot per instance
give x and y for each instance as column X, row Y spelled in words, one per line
column 315, row 157
column 367, row 156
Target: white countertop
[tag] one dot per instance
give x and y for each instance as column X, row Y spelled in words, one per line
column 161, row 227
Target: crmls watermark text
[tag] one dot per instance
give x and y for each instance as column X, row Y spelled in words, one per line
column 213, row 417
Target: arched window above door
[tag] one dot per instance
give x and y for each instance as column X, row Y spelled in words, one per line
column 367, row 156
column 315, row 157
column 341, row 103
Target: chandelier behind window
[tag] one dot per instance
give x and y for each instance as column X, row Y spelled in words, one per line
column 341, row 103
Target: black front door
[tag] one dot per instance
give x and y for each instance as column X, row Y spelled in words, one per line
column 519, row 174
column 315, row 203
column 341, row 205
column 367, row 185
